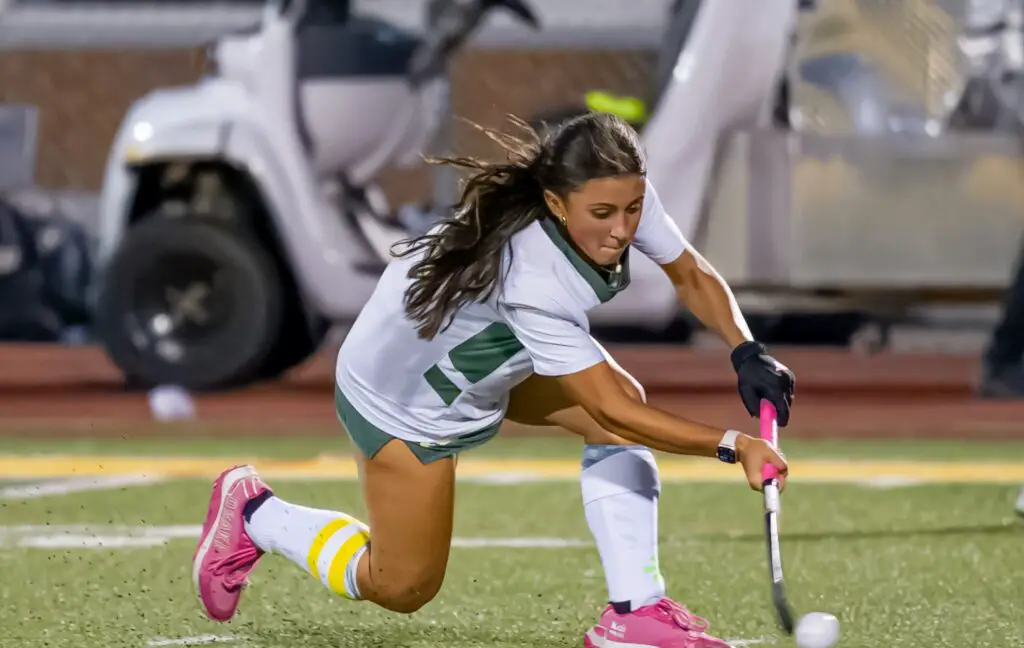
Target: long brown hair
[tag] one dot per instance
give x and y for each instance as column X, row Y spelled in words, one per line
column 462, row 258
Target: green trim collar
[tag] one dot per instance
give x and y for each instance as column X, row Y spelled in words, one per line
column 605, row 283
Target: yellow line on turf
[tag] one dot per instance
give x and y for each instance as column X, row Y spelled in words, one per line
column 59, row 466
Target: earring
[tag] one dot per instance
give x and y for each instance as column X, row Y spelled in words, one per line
column 565, row 221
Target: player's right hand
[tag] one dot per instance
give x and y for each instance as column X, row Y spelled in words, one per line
column 753, row 454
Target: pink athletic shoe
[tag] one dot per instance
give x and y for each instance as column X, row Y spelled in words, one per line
column 226, row 554
column 666, row 624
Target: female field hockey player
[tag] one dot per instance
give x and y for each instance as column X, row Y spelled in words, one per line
column 484, row 319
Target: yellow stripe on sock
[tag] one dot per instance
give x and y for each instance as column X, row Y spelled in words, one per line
column 347, row 551
column 321, row 539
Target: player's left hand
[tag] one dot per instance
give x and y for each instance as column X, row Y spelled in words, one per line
column 762, row 376
column 754, row 453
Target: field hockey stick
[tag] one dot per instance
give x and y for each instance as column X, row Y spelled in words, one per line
column 770, row 485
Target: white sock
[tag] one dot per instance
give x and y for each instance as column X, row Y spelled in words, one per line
column 327, row 544
column 1020, row 501
column 620, row 487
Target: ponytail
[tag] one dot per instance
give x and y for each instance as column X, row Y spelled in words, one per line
column 463, row 255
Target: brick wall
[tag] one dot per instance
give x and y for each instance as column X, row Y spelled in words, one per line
column 82, row 96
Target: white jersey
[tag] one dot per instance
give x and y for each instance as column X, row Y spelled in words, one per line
column 435, row 391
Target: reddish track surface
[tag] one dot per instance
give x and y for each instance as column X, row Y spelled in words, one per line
column 839, row 394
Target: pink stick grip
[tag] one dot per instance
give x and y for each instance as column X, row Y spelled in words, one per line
column 770, row 433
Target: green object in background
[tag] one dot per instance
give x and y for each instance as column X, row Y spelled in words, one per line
column 631, row 109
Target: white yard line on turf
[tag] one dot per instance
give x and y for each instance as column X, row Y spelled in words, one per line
column 70, row 541
column 118, row 537
column 519, row 543
column 198, row 640
column 887, row 483
column 209, row 639
column 75, row 485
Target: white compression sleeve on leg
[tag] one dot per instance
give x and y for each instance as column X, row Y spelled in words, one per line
column 621, row 486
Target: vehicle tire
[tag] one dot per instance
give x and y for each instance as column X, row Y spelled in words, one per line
column 300, row 337
column 189, row 302
column 828, row 329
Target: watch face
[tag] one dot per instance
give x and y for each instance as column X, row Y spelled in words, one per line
column 728, row 455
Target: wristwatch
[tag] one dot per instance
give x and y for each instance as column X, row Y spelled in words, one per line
column 727, row 447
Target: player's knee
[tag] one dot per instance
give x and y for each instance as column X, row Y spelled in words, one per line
column 409, row 595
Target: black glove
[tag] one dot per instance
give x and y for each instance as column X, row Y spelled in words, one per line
column 762, row 376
